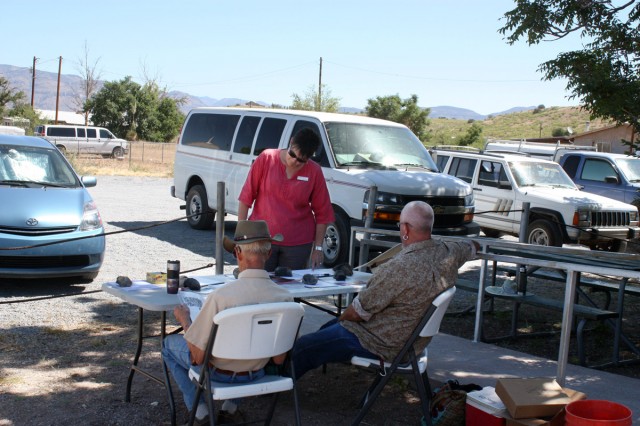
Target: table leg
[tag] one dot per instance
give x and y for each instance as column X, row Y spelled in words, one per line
column 127, row 397
column 567, row 319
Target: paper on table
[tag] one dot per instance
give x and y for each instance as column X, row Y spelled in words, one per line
column 140, row 285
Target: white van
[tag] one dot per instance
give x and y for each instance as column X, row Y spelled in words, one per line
column 83, row 140
column 11, row 130
column 219, row 144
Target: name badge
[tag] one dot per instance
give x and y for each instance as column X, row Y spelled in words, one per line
column 304, row 178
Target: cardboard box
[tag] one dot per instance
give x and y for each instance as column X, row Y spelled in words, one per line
column 555, row 420
column 156, row 277
column 533, row 397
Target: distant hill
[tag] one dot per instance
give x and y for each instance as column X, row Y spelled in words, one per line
column 46, row 87
column 467, row 114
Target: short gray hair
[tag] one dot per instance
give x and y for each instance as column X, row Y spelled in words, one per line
column 257, row 247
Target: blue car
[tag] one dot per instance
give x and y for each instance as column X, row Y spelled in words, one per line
column 49, row 224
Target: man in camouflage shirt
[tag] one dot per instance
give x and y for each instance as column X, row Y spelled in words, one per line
column 383, row 315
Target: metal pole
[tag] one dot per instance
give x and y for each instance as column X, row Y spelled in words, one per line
column 220, row 230
column 567, row 318
column 521, row 270
column 368, row 222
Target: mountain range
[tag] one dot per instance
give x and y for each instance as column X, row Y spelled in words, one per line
column 20, row 79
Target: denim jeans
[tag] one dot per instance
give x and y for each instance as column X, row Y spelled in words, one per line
column 331, row 343
column 176, row 354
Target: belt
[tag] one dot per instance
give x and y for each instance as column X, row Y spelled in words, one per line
column 232, row 373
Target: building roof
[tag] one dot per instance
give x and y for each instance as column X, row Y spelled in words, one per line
column 64, row 117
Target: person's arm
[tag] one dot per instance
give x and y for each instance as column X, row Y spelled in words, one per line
column 182, row 314
column 317, row 256
column 243, row 211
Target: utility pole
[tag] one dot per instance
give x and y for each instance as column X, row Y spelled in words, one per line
column 58, row 94
column 319, row 107
column 33, row 80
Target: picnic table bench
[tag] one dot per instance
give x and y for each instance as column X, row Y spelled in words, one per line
column 583, row 313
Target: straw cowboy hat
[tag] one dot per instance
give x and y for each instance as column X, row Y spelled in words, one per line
column 249, row 231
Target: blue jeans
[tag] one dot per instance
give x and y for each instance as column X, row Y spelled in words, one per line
column 178, row 359
column 331, row 343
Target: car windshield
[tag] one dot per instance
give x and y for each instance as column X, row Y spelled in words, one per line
column 631, row 168
column 25, row 165
column 531, row 173
column 368, row 145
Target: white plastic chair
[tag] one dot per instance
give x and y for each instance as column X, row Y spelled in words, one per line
column 251, row 332
column 428, row 326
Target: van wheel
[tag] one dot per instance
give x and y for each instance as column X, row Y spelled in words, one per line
column 543, row 233
column 118, row 152
column 200, row 215
column 336, row 241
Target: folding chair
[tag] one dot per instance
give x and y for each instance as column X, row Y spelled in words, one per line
column 427, row 327
column 250, row 332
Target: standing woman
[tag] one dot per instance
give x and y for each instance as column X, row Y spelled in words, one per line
column 287, row 190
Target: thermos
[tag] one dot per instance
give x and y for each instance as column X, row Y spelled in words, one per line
column 173, row 276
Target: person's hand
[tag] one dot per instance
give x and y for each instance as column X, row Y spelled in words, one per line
column 317, row 257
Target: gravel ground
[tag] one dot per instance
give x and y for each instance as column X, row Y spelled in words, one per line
column 66, row 347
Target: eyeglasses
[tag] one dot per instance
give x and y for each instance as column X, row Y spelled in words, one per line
column 295, row 157
column 404, row 223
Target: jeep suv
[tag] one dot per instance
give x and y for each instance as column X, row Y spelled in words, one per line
column 559, row 212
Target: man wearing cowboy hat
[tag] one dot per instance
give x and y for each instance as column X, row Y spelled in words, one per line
column 252, row 247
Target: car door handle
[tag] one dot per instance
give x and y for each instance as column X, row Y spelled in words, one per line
column 477, row 189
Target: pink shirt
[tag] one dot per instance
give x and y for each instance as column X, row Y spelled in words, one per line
column 290, row 207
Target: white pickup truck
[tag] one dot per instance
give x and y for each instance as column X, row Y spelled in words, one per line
column 559, row 212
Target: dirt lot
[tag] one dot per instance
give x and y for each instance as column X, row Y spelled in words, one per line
column 66, row 347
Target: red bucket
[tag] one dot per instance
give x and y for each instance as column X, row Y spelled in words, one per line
column 597, row 413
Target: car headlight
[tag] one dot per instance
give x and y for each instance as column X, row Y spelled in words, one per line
column 385, row 198
column 582, row 218
column 90, row 217
column 468, row 200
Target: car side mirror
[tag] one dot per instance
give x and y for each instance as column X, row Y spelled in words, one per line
column 612, row 179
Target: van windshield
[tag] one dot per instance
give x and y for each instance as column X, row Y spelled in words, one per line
column 368, row 145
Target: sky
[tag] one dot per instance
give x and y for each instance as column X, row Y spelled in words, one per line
column 445, row 52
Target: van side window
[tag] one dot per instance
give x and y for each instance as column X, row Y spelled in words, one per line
column 67, row 132
column 597, row 170
column 246, row 134
column 320, row 156
column 463, row 168
column 91, row 133
column 269, row 135
column 105, row 134
column 81, row 132
column 213, row 131
column 441, row 161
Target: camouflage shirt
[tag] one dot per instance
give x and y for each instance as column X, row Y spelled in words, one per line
column 400, row 292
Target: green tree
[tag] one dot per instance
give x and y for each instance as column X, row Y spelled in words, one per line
column 405, row 111
column 8, row 95
column 136, row 111
column 312, row 101
column 24, row 110
column 605, row 74
column 473, row 136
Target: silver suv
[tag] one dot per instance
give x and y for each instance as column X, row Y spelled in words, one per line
column 559, row 211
